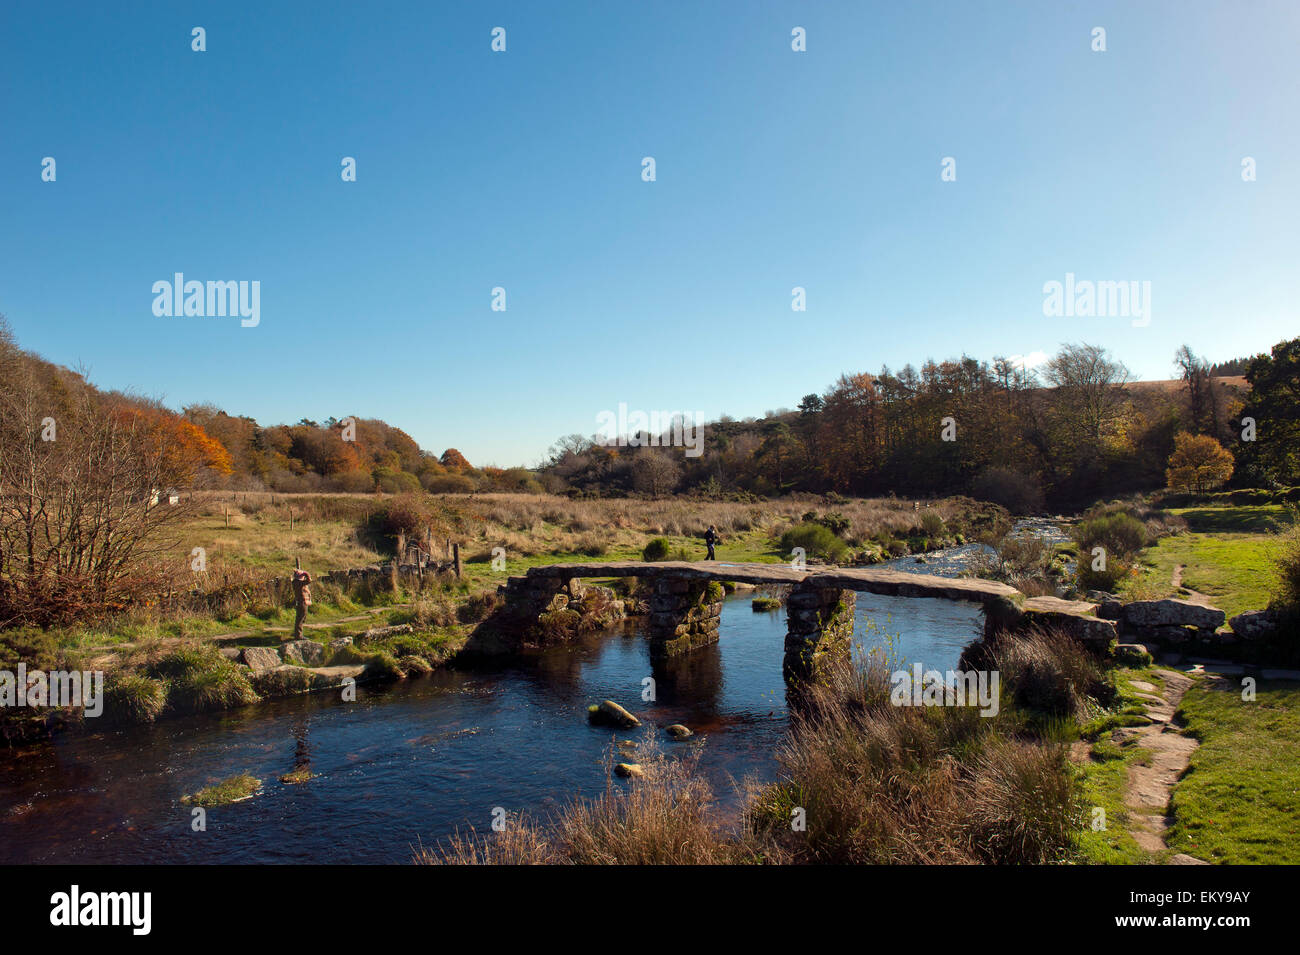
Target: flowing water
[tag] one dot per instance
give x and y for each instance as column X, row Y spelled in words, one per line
column 410, row 762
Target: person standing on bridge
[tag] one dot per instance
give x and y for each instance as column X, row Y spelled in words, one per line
column 711, row 538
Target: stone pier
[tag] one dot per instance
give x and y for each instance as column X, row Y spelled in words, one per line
column 684, row 614
column 540, row 606
column 820, row 630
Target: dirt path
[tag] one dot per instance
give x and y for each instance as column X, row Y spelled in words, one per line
column 1150, row 786
column 1193, row 596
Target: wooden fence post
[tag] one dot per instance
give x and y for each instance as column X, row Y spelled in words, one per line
column 455, row 558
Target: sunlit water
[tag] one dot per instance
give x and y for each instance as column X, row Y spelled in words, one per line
column 410, row 762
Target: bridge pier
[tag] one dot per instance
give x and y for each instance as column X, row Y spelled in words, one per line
column 540, row 606
column 684, row 614
column 820, row 630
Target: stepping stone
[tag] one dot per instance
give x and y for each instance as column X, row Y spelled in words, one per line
column 261, row 658
column 1142, row 685
column 1184, row 859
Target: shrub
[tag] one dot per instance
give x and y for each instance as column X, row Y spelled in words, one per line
column 658, row 549
column 932, row 524
column 134, row 699
column 394, row 481
column 817, row 540
column 448, row 483
column 1117, row 529
column 1050, row 672
column 1286, row 592
column 200, row 678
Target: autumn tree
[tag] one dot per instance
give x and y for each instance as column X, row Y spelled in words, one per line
column 1199, row 463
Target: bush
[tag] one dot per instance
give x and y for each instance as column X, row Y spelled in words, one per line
column 932, row 524
column 1116, row 528
column 448, row 483
column 657, row 549
column 200, row 678
column 817, row 540
column 134, row 699
column 408, row 515
column 1287, row 561
column 393, row 481
column 1050, row 672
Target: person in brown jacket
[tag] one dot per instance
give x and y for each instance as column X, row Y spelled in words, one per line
column 301, row 600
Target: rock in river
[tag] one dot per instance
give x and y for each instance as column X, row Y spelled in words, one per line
column 610, row 713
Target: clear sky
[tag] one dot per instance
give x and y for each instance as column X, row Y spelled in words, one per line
column 523, row 170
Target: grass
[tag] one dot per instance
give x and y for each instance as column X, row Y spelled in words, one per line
column 1227, row 554
column 1239, row 801
column 235, row 789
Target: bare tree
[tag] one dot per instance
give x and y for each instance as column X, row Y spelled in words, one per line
column 655, row 472
column 1090, row 392
column 83, row 479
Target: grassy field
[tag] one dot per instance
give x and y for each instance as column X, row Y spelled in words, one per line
column 262, row 534
column 1227, row 554
column 1239, row 801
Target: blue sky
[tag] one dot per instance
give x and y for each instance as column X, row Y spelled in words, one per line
column 522, row 170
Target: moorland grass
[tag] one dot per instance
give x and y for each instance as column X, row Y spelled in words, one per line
column 1239, row 801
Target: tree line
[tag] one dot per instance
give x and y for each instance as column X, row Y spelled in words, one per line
column 1076, row 429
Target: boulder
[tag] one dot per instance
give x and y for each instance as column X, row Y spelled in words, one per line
column 610, row 713
column 629, row 770
column 307, row 653
column 1132, row 654
column 261, row 658
column 338, row 643
column 232, row 653
column 1254, row 624
column 1172, row 613
column 678, row 731
column 1110, row 609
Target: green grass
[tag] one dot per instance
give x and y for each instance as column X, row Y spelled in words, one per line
column 234, row 789
column 1239, row 801
column 1227, row 555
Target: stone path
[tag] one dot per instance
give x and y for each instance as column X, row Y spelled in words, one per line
column 108, row 653
column 1150, row 786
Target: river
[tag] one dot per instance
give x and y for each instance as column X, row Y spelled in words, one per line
column 409, row 762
